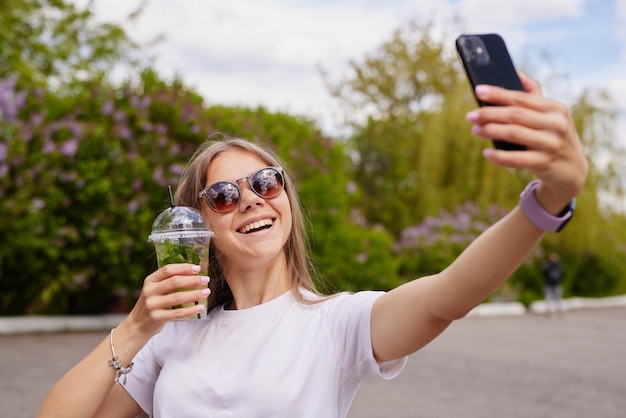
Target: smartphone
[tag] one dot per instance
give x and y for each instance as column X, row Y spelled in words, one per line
column 486, row 60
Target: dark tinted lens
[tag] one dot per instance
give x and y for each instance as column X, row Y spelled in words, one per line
column 223, row 197
column 267, row 182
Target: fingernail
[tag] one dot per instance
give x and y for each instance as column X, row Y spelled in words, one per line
column 206, row 292
column 195, row 269
column 472, row 116
column 482, row 89
column 488, row 152
column 200, row 308
column 477, row 130
column 205, row 279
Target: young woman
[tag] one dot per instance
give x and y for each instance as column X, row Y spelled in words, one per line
column 272, row 346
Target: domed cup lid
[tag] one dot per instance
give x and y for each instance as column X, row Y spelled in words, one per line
column 180, row 222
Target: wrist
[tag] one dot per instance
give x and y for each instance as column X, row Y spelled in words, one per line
column 537, row 213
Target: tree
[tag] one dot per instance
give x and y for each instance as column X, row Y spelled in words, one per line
column 50, row 43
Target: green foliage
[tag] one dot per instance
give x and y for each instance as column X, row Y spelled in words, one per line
column 430, row 247
column 586, row 274
column 84, row 177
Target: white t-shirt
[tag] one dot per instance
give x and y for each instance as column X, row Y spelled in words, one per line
column 278, row 359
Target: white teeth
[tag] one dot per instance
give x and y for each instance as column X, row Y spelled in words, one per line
column 256, row 225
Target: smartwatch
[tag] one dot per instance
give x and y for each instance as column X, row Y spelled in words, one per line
column 538, row 215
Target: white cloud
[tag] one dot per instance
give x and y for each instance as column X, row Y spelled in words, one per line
column 505, row 14
column 250, row 52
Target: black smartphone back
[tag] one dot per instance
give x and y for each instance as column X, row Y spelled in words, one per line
column 486, row 60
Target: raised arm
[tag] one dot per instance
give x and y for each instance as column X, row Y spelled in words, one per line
column 88, row 389
column 410, row 316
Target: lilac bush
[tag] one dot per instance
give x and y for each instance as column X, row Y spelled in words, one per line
column 81, row 179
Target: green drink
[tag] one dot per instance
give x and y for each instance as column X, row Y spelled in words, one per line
column 181, row 234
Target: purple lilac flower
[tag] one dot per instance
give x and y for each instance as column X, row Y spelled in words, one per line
column 26, row 132
column 177, row 169
column 38, row 203
column 75, row 127
column 133, row 206
column 68, row 177
column 158, row 176
column 107, row 107
column 161, row 128
column 48, row 147
column 123, row 131
column 134, row 101
column 36, row 119
column 174, row 149
column 10, row 101
column 80, row 281
column 137, row 184
column 69, row 147
column 119, row 116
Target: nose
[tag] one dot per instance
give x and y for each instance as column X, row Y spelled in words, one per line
column 248, row 197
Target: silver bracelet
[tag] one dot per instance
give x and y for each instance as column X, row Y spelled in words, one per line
column 117, row 364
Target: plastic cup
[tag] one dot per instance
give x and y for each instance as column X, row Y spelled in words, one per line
column 181, row 234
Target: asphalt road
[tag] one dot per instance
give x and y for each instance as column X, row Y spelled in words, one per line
column 512, row 367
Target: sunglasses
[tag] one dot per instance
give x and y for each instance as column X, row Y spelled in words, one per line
column 224, row 196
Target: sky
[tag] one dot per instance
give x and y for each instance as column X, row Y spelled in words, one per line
column 269, row 53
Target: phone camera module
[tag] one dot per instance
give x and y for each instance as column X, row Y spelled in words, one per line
column 475, row 50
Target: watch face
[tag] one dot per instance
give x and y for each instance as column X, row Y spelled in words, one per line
column 569, row 209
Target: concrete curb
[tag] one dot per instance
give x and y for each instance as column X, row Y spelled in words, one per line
column 499, row 309
column 33, row 324
column 36, row 324
column 540, row 306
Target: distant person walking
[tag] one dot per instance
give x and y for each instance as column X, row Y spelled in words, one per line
column 553, row 275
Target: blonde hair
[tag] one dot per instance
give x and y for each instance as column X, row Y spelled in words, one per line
column 193, row 180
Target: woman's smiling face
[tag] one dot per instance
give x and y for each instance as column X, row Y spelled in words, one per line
column 257, row 229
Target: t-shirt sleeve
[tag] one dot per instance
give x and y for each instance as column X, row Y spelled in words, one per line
column 147, row 366
column 349, row 324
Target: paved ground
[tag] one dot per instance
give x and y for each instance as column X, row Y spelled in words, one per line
column 513, row 367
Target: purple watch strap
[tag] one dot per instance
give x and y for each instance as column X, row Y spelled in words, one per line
column 536, row 213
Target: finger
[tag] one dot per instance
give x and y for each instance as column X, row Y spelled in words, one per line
column 177, row 298
column 512, row 115
column 160, row 306
column 503, row 97
column 516, row 159
column 169, row 314
column 171, row 270
column 530, row 85
column 532, row 138
column 173, row 284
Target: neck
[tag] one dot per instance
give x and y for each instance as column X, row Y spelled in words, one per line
column 252, row 286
